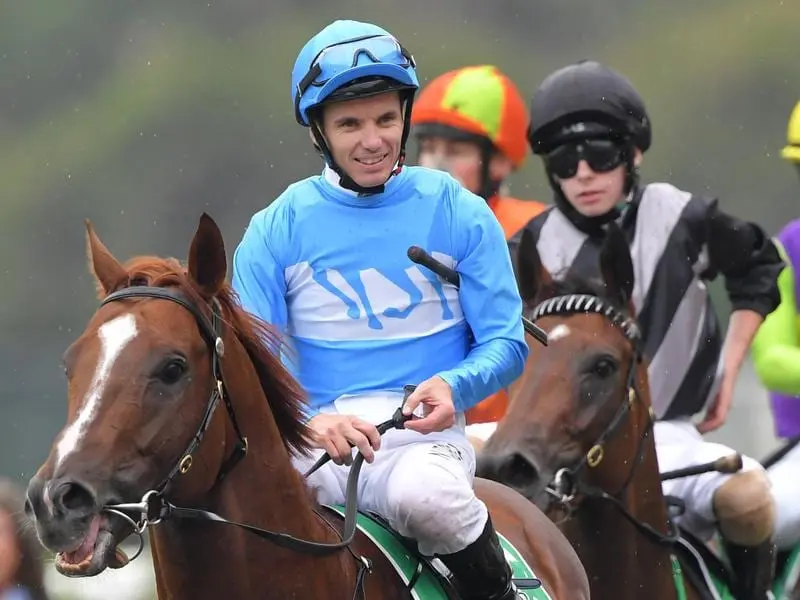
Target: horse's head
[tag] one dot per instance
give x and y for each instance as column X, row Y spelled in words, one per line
column 145, row 380
column 572, row 408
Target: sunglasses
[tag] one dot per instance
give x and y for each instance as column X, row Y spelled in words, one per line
column 601, row 156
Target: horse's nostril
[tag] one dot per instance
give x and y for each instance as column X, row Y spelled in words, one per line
column 513, row 469
column 73, row 497
column 518, row 472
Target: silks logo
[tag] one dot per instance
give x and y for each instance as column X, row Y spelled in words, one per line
column 368, row 304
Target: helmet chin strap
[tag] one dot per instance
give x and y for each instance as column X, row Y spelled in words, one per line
column 345, row 180
column 488, row 187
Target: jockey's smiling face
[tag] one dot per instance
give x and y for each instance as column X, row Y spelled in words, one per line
column 364, row 136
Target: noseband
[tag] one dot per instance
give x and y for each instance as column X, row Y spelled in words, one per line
column 567, row 484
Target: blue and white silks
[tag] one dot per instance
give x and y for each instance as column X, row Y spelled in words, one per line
column 329, row 269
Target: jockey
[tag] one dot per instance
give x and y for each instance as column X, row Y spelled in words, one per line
column 591, row 129
column 471, row 122
column 326, row 264
column 776, row 356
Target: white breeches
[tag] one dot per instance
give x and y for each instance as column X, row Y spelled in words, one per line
column 678, row 445
column 785, row 479
column 421, row 484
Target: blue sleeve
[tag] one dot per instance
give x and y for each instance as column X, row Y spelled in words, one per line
column 491, row 304
column 258, row 275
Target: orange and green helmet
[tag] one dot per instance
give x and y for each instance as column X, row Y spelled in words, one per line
column 792, row 149
column 477, row 101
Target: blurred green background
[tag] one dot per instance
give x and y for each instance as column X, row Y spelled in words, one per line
column 141, row 115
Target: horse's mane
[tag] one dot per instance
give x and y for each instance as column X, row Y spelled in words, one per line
column 284, row 394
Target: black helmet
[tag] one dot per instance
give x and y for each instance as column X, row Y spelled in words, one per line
column 587, row 99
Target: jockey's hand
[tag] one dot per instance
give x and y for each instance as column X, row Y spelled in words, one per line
column 717, row 412
column 438, row 409
column 335, row 433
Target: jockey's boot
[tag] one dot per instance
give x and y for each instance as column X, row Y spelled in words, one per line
column 753, row 569
column 480, row 570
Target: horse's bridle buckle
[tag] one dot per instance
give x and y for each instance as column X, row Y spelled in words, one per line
column 595, row 455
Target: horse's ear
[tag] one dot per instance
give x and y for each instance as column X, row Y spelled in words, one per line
column 109, row 274
column 616, row 264
column 532, row 277
column 208, row 264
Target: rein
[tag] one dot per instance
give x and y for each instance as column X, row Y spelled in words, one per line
column 567, row 485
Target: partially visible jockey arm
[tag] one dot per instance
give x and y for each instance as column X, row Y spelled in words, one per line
column 491, row 305
column 747, row 257
column 751, row 263
column 776, row 348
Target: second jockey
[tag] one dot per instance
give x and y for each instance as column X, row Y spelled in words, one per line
column 326, row 264
column 591, row 129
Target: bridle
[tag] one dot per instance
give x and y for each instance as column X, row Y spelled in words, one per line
column 154, row 507
column 212, row 334
column 568, row 485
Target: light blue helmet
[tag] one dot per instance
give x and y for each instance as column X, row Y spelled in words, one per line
column 343, row 52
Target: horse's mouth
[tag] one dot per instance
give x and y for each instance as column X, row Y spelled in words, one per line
column 97, row 551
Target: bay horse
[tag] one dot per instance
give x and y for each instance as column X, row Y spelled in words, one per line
column 577, row 437
column 167, row 346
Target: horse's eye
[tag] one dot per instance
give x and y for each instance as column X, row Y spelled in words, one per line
column 605, row 368
column 172, row 371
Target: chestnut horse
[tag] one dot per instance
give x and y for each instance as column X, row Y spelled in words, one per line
column 577, row 436
column 167, row 346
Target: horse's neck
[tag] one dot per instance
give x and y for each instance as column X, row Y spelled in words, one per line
column 623, row 562
column 202, row 559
